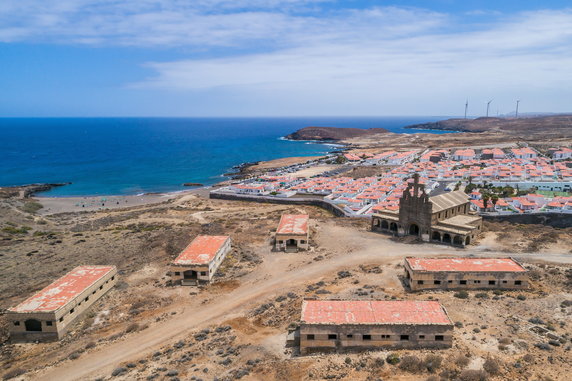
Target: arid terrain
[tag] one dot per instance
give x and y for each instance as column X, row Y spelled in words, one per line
column 552, row 124
column 236, row 328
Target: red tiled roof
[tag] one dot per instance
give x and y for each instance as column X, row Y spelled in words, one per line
column 373, row 312
column 293, row 224
column 63, row 290
column 201, row 250
column 465, row 264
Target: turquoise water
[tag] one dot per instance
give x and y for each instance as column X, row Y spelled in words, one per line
column 121, row 156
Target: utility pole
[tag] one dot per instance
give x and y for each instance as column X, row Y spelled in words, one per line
column 517, row 102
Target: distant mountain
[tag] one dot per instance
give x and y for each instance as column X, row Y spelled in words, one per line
column 552, row 123
column 333, row 133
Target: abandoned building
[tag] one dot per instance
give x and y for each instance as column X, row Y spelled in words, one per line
column 292, row 233
column 330, row 325
column 443, row 218
column 47, row 315
column 465, row 273
column 199, row 261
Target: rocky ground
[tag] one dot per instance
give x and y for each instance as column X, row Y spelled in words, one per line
column 236, row 328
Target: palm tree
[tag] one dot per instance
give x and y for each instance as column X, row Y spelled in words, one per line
column 486, row 198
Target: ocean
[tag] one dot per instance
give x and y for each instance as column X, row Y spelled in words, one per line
column 125, row 156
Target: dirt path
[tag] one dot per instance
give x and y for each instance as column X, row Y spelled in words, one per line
column 346, row 249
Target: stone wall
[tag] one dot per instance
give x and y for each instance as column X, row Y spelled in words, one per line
column 380, row 337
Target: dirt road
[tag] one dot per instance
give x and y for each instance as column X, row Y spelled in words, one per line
column 346, row 248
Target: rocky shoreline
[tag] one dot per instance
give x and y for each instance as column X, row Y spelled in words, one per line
column 28, row 190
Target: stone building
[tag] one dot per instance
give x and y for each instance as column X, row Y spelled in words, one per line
column 444, row 218
column 199, row 261
column 330, row 325
column 47, row 315
column 465, row 273
column 292, row 233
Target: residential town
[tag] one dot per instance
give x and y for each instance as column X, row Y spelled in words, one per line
column 510, row 181
column 523, row 173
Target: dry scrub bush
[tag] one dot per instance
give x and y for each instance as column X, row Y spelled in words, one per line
column 473, row 375
column 411, row 363
column 492, row 366
column 462, row 361
column 432, row 362
column 133, row 327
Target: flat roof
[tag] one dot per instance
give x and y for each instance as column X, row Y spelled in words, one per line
column 64, row 290
column 373, row 312
column 293, row 224
column 201, row 250
column 465, row 264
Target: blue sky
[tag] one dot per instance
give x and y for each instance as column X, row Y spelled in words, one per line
column 283, row 57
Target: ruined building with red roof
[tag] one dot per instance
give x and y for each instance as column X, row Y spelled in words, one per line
column 48, row 314
column 292, row 233
column 465, row 273
column 330, row 325
column 444, row 218
column 199, row 261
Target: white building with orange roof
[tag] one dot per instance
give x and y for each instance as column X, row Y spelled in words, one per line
column 293, row 233
column 464, row 154
column 199, row 261
column 48, row 314
column 562, row 154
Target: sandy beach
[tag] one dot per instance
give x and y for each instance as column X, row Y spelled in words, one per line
column 55, row 205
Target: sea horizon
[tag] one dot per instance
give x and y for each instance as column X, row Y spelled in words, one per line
column 105, row 156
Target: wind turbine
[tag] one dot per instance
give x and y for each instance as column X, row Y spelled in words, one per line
column 517, row 102
column 466, row 107
column 488, row 105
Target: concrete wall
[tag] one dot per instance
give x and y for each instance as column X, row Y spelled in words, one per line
column 351, row 337
column 336, row 211
column 473, row 280
column 62, row 318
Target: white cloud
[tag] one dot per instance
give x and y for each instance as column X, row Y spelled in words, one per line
column 363, row 70
column 146, row 22
column 300, row 58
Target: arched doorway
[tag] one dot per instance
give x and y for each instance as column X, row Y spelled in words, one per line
column 436, row 236
column 384, row 224
column 446, row 238
column 458, row 240
column 413, row 229
column 468, row 240
column 376, row 222
column 393, row 227
column 33, row 325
